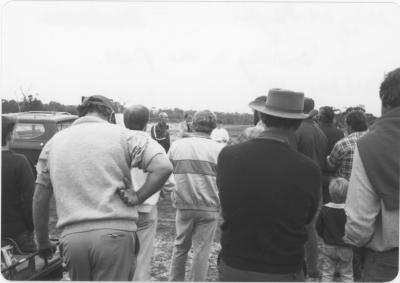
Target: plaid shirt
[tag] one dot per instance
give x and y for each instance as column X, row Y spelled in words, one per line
column 342, row 153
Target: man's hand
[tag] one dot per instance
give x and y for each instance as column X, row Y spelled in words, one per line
column 127, row 194
column 47, row 251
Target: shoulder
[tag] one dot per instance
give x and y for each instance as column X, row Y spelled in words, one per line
column 305, row 164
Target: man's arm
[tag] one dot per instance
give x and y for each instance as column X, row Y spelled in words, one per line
column 362, row 206
column 41, row 207
column 334, row 159
column 154, row 161
column 159, row 169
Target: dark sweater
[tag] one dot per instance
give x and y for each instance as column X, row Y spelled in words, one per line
column 333, row 135
column 330, row 225
column 268, row 193
column 312, row 142
column 17, row 187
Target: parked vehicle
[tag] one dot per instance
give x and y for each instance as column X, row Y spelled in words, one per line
column 34, row 128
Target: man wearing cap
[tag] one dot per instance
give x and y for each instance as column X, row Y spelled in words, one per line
column 195, row 197
column 269, row 194
column 86, row 167
column 160, row 132
column 312, row 142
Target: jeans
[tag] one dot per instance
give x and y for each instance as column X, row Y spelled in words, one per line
column 380, row 266
column 100, row 255
column 336, row 259
column 229, row 274
column 197, row 228
column 147, row 225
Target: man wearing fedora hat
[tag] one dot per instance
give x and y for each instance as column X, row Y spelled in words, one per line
column 269, row 194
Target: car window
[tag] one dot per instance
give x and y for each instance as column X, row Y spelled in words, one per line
column 28, row 131
column 63, row 125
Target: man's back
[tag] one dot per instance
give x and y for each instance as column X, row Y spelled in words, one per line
column 17, row 186
column 195, row 163
column 312, row 142
column 333, row 135
column 87, row 162
column 268, row 193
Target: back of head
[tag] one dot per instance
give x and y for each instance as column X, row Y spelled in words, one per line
column 308, row 105
column 357, row 120
column 136, row 117
column 326, row 114
column 338, row 190
column 7, row 126
column 204, row 121
column 96, row 104
column 390, row 90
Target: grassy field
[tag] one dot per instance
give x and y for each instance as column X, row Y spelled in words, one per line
column 166, row 231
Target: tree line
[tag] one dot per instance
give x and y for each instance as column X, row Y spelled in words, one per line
column 176, row 115
column 32, row 103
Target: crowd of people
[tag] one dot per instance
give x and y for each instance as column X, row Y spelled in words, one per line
column 299, row 198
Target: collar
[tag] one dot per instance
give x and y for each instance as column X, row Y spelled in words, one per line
column 279, row 135
column 88, row 119
column 200, row 135
column 335, row 205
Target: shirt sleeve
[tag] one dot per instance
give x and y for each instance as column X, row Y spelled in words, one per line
column 137, row 143
column 335, row 157
column 42, row 167
column 152, row 150
column 362, row 206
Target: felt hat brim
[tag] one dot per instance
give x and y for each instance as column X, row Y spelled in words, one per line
column 282, row 113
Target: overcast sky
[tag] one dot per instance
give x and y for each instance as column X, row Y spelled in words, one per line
column 198, row 55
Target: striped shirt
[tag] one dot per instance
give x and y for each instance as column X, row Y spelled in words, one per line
column 195, row 168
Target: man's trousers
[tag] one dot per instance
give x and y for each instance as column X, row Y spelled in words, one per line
column 100, row 255
column 193, row 228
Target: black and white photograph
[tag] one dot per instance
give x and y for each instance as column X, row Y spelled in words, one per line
column 206, row 141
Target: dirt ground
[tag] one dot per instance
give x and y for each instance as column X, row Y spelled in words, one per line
column 164, row 240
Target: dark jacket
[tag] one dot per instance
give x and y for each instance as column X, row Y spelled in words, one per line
column 312, row 142
column 333, row 135
column 17, row 187
column 330, row 224
column 269, row 193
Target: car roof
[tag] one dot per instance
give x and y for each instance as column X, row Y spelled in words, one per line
column 43, row 116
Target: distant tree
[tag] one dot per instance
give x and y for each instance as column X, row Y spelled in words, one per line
column 9, row 106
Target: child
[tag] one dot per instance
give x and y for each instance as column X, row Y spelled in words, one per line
column 336, row 256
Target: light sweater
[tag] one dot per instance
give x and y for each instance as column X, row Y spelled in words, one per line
column 85, row 164
column 195, row 168
column 369, row 223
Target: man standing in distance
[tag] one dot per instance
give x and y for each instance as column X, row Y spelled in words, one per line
column 84, row 166
column 160, row 133
column 269, row 194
